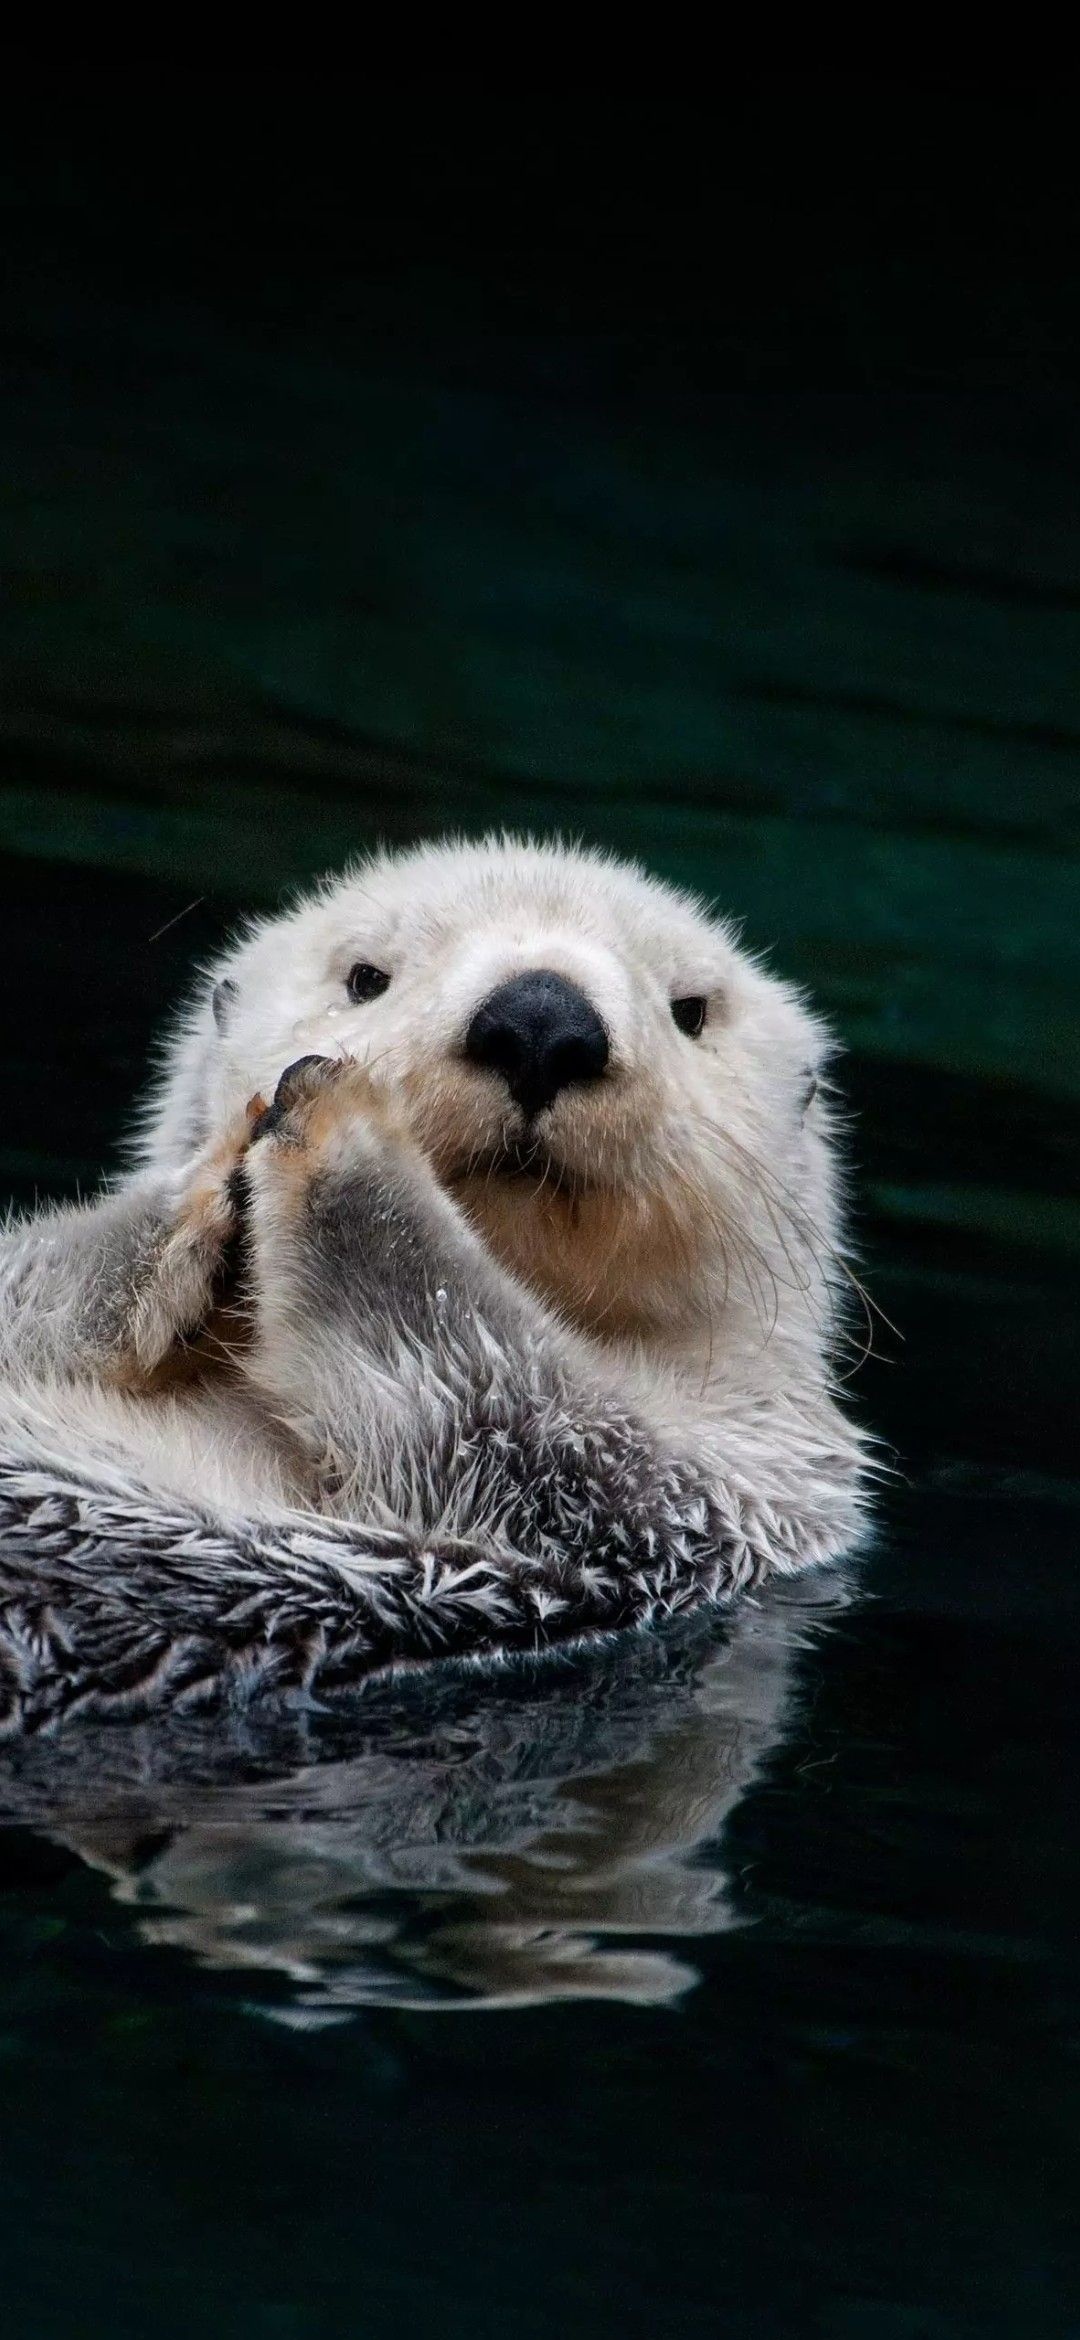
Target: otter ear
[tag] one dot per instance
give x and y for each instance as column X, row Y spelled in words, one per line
column 808, row 1088
column 222, row 998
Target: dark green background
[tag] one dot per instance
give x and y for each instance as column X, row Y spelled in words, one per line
column 701, row 477
column 700, row 480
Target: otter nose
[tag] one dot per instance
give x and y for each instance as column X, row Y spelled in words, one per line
column 542, row 1034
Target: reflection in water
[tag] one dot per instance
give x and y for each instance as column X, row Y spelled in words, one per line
column 449, row 1842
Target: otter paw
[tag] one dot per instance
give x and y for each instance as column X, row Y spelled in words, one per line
column 300, row 1083
column 317, row 1099
column 211, row 1194
column 181, row 1283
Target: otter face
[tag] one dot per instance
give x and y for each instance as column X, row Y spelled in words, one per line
column 614, row 1093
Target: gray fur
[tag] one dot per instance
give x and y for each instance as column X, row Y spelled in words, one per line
column 412, row 1456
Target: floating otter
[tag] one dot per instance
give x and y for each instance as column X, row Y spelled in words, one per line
column 477, row 1287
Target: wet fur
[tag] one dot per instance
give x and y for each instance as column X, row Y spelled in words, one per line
column 371, row 1373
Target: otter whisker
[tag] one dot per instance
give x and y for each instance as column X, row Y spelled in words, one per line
column 747, row 1250
column 801, row 1281
column 824, row 1253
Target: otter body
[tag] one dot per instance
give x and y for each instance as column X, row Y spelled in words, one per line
column 477, row 1285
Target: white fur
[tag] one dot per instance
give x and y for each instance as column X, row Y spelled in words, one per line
column 681, row 1264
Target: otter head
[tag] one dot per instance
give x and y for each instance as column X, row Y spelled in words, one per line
column 618, row 1097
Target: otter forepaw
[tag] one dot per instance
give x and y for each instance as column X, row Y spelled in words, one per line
column 320, row 1098
column 300, row 1083
column 182, row 1281
column 338, row 1232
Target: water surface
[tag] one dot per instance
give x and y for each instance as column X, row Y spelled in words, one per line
column 723, row 1980
column 722, row 1983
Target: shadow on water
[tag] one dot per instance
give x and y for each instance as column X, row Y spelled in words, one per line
column 450, row 1842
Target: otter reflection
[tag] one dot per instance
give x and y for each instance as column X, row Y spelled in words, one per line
column 466, row 1842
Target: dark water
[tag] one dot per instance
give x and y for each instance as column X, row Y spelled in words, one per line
column 724, row 1981
column 722, row 1987
column 444, row 470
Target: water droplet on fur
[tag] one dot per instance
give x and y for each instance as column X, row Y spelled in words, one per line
column 311, row 1029
column 440, row 1296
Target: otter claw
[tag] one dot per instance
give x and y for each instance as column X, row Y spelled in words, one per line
column 299, row 1080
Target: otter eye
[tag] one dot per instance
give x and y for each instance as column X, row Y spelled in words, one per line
column 689, row 1015
column 364, row 982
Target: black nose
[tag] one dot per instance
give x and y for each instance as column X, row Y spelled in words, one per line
column 542, row 1034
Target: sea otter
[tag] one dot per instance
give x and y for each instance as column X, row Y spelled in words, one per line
column 477, row 1285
